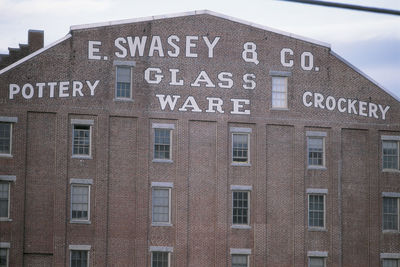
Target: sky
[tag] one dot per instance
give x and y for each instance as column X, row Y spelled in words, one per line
column 369, row 41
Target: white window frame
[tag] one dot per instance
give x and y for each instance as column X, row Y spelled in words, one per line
column 317, row 254
column 241, row 252
column 317, row 135
column 391, row 138
column 6, row 246
column 123, row 64
column 8, row 179
column 396, row 196
column 390, row 256
column 11, row 121
column 316, row 192
column 286, row 92
column 82, row 122
column 241, row 131
column 86, row 248
column 247, row 189
column 168, row 250
column 161, row 186
column 166, row 126
column 81, row 183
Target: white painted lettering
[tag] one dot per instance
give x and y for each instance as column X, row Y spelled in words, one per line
column 362, row 108
column 77, row 88
column 284, row 61
column 190, row 45
column 372, row 109
column 13, row 90
column 340, row 106
column 123, row 53
column 215, row 102
column 173, row 77
column 383, row 110
column 93, row 50
column 318, row 99
column 190, row 103
column 92, row 87
column 211, row 45
column 307, row 56
column 330, row 103
column 136, row 45
column 226, row 81
column 351, row 106
column 237, row 105
column 52, row 85
column 40, row 87
column 203, row 77
column 62, row 88
column 157, row 75
column 176, row 51
column 249, row 53
column 249, row 82
column 305, row 95
column 156, row 46
column 164, row 101
column 31, row 91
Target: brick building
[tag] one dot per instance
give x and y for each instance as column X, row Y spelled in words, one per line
column 195, row 139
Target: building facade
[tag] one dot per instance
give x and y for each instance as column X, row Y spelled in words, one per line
column 195, row 139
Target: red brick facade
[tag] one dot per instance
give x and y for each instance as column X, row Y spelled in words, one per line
column 74, row 80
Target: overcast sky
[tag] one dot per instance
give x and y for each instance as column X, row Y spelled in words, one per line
column 369, row 41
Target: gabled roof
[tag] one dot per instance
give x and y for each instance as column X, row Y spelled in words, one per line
column 193, row 13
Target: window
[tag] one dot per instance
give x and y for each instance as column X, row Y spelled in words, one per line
column 162, row 143
column 240, row 147
column 316, row 262
column 316, row 210
column 279, row 92
column 79, row 258
column 239, row 261
column 3, row 257
column 390, row 154
column 81, row 145
column 316, row 149
column 391, row 263
column 161, row 203
column 391, row 213
column 123, row 83
column 4, row 199
column 160, row 259
column 5, row 138
column 80, row 202
column 241, row 208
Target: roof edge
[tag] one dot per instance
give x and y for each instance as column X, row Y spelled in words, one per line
column 197, row 12
column 22, row 60
column 365, row 75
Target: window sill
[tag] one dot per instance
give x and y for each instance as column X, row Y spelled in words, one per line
column 160, row 224
column 5, row 220
column 316, row 168
column 390, row 232
column 317, row 229
column 240, row 164
column 163, row 161
column 81, row 157
column 6, row 156
column 240, row 226
column 123, row 100
column 81, row 222
column 391, row 170
column 279, row 109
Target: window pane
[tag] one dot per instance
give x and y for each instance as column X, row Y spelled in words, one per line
column 316, row 211
column 240, row 207
column 123, row 89
column 240, row 147
column 80, row 202
column 3, row 257
column 390, row 151
column 316, row 262
column 161, row 205
column 81, row 145
column 390, row 263
column 5, row 138
column 390, row 213
column 159, row 259
column 239, row 260
column 279, row 92
column 4, row 198
column 162, row 139
column 79, row 258
column 315, row 151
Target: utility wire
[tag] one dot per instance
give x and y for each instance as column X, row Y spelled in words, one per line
column 348, row 6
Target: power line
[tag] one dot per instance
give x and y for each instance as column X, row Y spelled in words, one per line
column 348, row 6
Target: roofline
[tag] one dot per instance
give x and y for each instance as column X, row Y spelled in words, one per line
column 193, row 13
column 365, row 75
column 22, row 60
